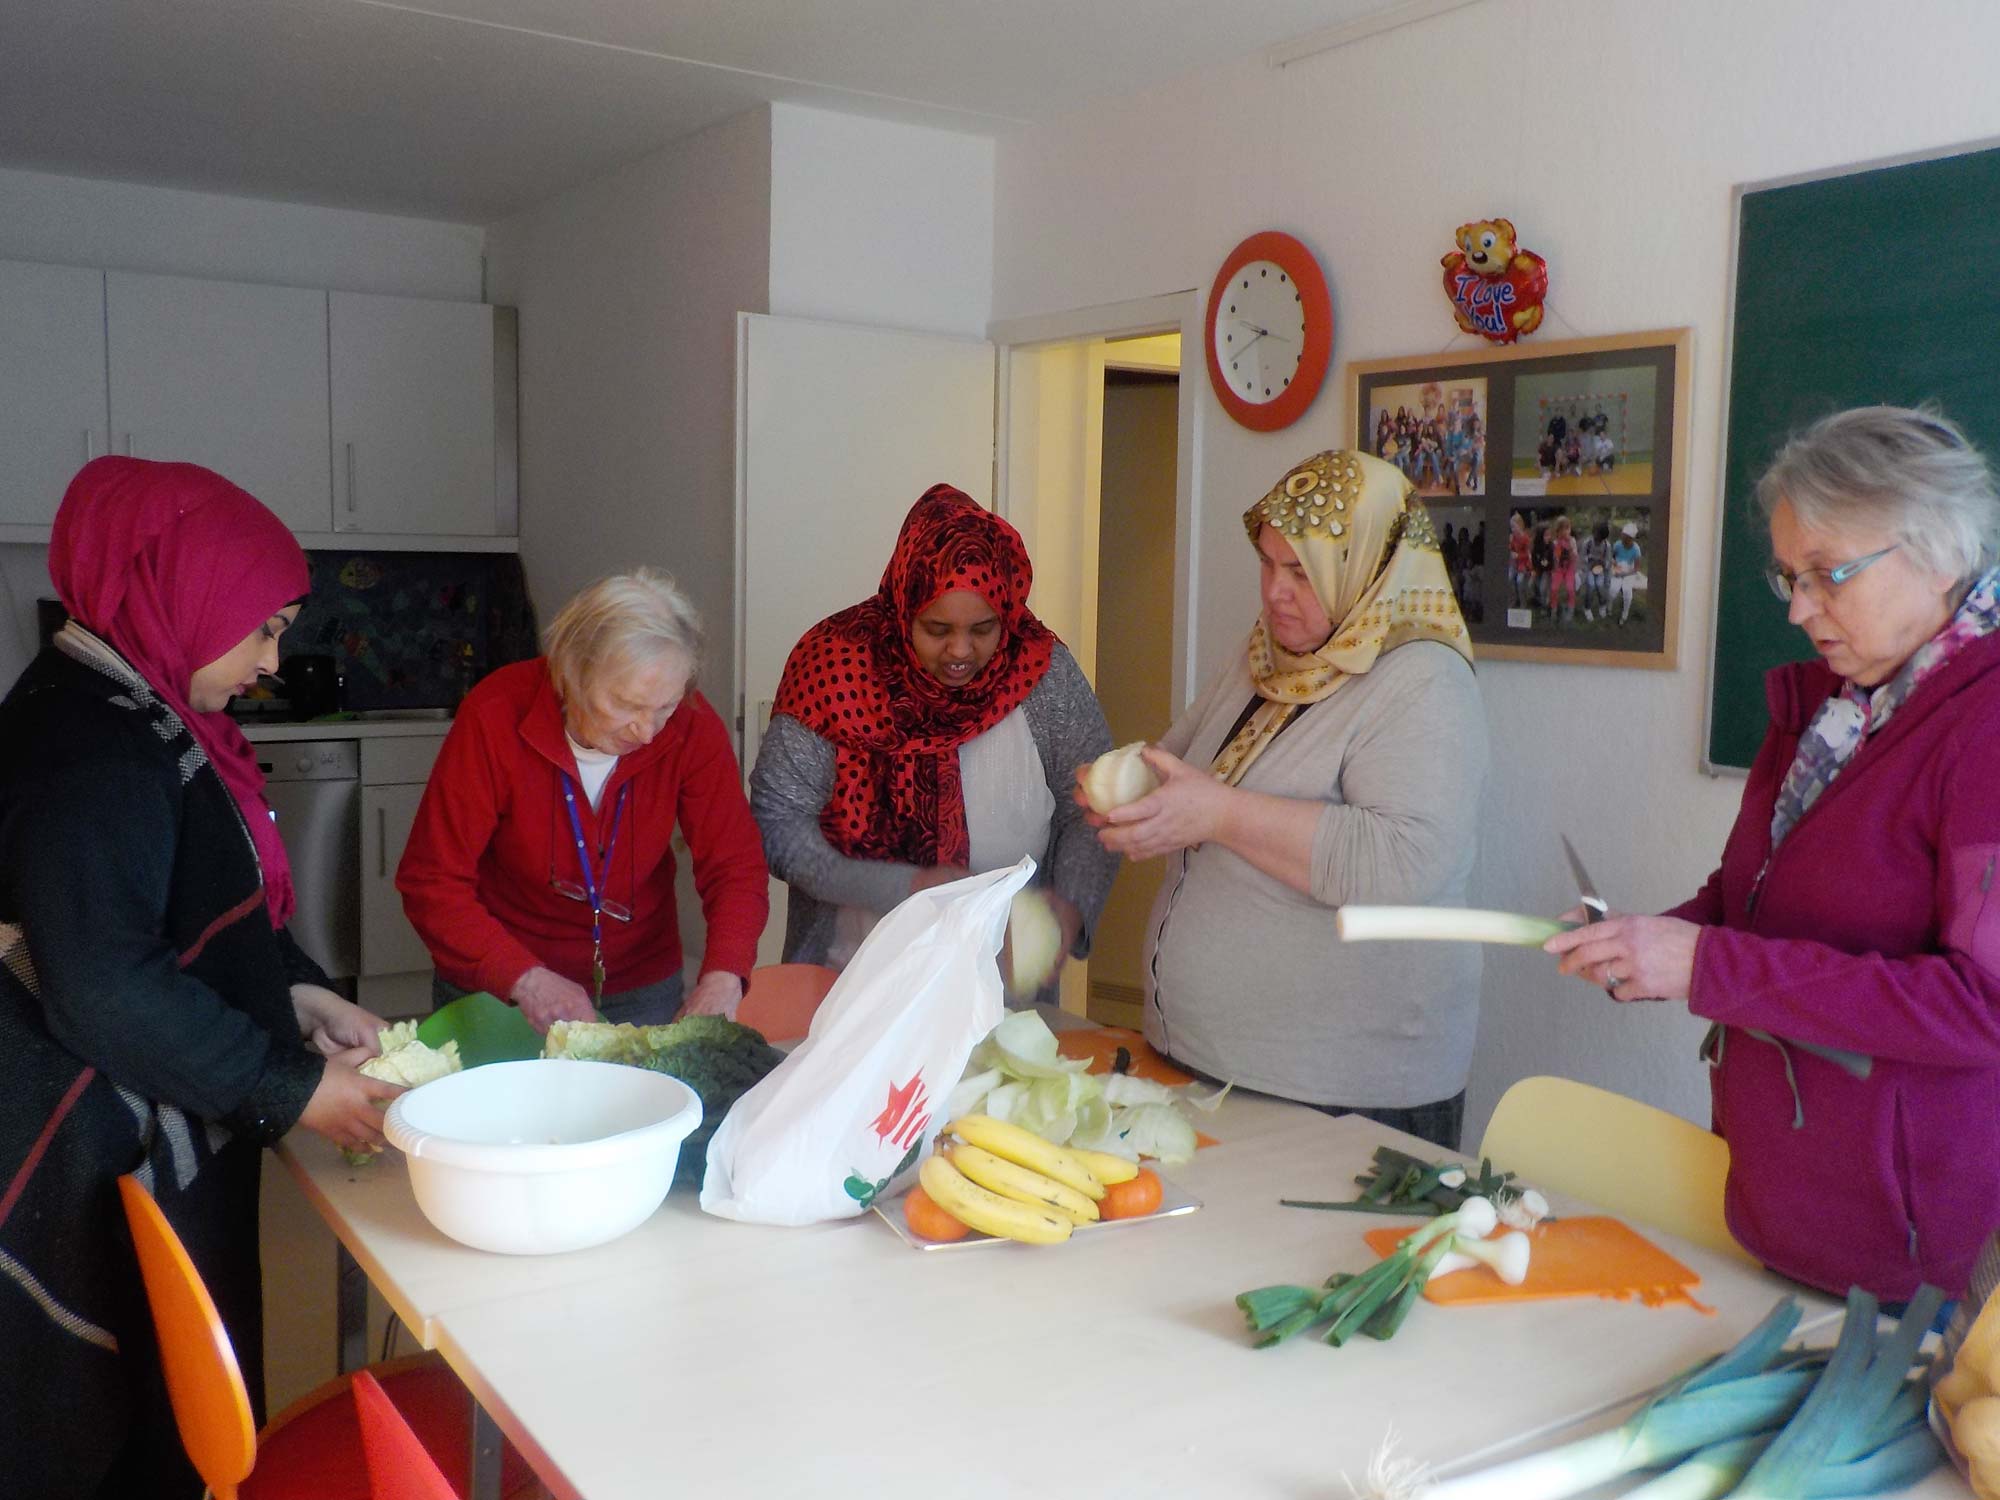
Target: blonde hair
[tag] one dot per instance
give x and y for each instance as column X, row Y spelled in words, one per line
column 620, row 621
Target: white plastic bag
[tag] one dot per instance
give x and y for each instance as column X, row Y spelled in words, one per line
column 828, row 1131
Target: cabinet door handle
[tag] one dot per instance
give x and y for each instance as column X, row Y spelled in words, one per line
column 382, row 843
column 350, row 480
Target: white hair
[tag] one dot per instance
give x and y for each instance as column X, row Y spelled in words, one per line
column 1909, row 471
column 617, row 622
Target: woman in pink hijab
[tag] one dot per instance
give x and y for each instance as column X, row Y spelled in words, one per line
column 155, row 1015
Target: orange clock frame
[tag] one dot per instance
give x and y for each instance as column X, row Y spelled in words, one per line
column 1297, row 262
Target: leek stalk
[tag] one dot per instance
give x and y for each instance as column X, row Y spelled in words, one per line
column 1446, row 924
column 1719, row 1399
column 1754, row 1424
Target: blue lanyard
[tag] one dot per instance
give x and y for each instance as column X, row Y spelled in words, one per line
column 595, row 880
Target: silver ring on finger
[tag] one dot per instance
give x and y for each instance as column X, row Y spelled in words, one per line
column 1611, row 981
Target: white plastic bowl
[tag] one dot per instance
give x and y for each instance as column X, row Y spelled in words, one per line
column 530, row 1158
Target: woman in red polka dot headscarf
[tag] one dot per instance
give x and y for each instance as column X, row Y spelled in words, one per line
column 929, row 731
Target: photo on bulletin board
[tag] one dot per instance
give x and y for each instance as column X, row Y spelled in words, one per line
column 1576, row 441
column 1434, row 431
column 1567, row 460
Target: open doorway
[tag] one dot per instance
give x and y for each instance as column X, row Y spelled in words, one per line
column 1096, row 468
column 1135, row 622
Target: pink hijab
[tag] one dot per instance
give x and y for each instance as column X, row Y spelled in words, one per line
column 172, row 566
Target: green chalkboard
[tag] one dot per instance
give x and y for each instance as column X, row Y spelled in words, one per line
column 1880, row 285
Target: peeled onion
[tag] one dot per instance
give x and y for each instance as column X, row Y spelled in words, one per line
column 1034, row 937
column 1117, row 777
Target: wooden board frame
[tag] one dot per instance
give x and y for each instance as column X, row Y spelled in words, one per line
column 1510, row 476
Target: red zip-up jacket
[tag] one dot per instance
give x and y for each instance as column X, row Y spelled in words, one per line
column 1876, row 929
column 492, row 836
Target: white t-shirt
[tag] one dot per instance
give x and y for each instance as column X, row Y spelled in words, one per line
column 593, row 768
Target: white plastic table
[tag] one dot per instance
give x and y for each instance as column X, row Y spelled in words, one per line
column 840, row 1361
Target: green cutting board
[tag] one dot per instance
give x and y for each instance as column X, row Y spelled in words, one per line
column 487, row 1030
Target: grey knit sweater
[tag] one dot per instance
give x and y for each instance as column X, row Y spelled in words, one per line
column 793, row 778
column 1245, row 976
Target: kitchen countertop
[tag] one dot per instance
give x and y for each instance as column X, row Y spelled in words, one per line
column 343, row 729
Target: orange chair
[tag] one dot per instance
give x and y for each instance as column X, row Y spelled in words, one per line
column 399, row 1468
column 313, row 1449
column 782, row 998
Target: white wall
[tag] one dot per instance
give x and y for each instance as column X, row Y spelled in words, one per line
column 81, row 221
column 122, row 226
column 629, row 289
column 1611, row 132
column 880, row 223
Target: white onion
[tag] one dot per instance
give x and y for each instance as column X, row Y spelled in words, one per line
column 1117, row 777
column 1034, row 937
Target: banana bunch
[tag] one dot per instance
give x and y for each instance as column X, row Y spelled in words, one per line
column 1008, row 1182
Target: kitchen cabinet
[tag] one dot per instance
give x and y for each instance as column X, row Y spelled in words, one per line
column 393, row 773
column 52, row 404
column 229, row 375
column 416, row 435
column 389, row 945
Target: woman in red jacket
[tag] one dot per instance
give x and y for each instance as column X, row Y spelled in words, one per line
column 1848, row 949
column 541, row 866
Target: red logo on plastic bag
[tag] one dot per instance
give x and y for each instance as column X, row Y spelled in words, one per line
column 906, row 1114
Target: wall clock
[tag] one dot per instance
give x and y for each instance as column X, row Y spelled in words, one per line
column 1270, row 331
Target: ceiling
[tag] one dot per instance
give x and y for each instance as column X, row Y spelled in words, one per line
column 469, row 110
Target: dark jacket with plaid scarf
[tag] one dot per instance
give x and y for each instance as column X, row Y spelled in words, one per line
column 146, row 1026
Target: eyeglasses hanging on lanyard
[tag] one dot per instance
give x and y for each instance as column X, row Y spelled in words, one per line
column 596, row 880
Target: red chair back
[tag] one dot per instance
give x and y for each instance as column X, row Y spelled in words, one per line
column 782, row 998
column 399, row 1467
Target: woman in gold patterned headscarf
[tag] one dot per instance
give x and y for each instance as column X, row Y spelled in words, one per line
column 1339, row 759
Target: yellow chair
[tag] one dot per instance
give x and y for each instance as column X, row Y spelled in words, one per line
column 1628, row 1158
column 782, row 998
column 313, row 1449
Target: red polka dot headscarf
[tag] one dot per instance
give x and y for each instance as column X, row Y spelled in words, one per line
column 855, row 679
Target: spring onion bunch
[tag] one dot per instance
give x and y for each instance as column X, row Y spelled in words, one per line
column 1374, row 1301
column 1754, row 1423
column 1399, row 1183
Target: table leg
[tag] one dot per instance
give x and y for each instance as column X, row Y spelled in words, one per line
column 485, row 1474
column 350, row 1312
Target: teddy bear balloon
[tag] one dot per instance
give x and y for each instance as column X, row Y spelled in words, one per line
column 1496, row 288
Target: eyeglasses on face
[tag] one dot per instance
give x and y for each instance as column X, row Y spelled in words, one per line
column 569, row 889
column 1817, row 581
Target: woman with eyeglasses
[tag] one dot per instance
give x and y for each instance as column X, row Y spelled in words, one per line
column 156, row 1017
column 1847, row 952
column 541, row 865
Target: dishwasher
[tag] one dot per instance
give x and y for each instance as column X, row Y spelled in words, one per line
column 314, row 788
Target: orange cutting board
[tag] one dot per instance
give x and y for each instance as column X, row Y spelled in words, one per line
column 1586, row 1257
column 1099, row 1046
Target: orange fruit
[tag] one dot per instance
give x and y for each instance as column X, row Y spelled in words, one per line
column 1131, row 1200
column 929, row 1222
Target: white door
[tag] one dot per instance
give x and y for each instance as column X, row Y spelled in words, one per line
column 52, row 409
column 228, row 375
column 413, row 419
column 839, row 430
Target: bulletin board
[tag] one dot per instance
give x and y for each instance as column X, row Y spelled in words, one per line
column 1879, row 284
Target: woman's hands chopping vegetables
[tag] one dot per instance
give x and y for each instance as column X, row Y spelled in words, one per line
column 1633, row 958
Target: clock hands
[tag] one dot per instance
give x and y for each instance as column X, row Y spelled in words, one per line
column 1263, row 333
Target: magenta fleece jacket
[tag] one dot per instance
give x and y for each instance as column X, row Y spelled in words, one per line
column 1876, row 930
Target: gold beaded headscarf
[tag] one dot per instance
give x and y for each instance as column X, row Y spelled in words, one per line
column 1371, row 556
